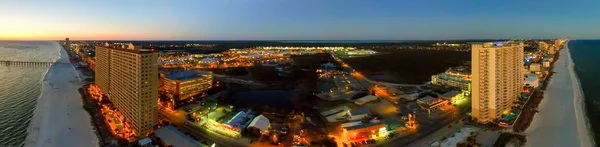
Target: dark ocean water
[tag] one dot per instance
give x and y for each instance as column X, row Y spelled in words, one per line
column 586, row 56
column 20, row 87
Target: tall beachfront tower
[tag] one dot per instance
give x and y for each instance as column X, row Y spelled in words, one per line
column 129, row 77
column 67, row 43
column 496, row 78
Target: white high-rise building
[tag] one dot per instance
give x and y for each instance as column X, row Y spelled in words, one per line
column 496, row 74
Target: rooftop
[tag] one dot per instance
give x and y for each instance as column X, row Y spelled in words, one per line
column 238, row 120
column 364, row 125
column 426, row 99
column 260, row 122
column 450, row 94
column 463, row 70
column 135, row 51
column 145, row 141
column 185, row 75
column 359, row 111
column 174, row 137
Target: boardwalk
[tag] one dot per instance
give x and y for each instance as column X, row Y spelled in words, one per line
column 27, row 63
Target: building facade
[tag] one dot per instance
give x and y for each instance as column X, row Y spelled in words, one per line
column 496, row 78
column 182, row 85
column 456, row 78
column 129, row 77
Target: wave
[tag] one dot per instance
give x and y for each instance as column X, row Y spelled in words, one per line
column 579, row 100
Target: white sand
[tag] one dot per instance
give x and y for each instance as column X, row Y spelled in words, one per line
column 561, row 121
column 60, row 108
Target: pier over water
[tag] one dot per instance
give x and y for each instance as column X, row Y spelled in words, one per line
column 27, row 63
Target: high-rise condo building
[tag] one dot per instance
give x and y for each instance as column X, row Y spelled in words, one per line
column 67, row 43
column 129, row 77
column 496, row 78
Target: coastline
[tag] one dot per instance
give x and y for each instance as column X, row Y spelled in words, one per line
column 558, row 123
column 58, row 115
column 582, row 117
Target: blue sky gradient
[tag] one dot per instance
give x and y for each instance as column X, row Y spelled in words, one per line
column 298, row 19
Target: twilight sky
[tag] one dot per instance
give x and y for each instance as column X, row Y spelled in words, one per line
column 297, row 19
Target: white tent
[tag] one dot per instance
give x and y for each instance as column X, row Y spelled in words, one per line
column 260, row 122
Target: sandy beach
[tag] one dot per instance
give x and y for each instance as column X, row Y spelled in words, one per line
column 59, row 119
column 561, row 120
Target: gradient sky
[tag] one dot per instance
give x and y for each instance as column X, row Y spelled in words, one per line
column 297, row 19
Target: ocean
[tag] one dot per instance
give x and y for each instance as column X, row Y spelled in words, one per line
column 20, row 87
column 586, row 56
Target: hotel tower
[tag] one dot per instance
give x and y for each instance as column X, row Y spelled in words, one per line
column 129, row 77
column 496, row 78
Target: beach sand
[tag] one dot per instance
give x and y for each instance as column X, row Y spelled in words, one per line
column 59, row 119
column 561, row 120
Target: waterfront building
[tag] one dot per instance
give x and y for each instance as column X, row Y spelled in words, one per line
column 67, row 43
column 546, row 63
column 184, row 84
column 496, row 78
column 552, row 49
column 532, row 80
column 535, row 67
column 542, row 45
column 454, row 77
column 129, row 77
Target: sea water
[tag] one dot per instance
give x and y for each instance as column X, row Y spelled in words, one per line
column 586, row 57
column 20, row 86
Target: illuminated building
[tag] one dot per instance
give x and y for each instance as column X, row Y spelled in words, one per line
column 129, row 77
column 261, row 123
column 496, row 78
column 543, row 45
column 182, row 85
column 453, row 96
column 535, row 67
column 358, row 130
column 456, row 78
column 552, row 50
column 359, row 113
column 431, row 104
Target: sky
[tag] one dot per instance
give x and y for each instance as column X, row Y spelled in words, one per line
column 297, row 19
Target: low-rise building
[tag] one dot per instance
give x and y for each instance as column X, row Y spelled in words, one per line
column 359, row 113
column 366, row 99
column 546, row 62
column 452, row 96
column 456, row 77
column 171, row 136
column 535, row 67
column 182, row 85
column 261, row 123
column 358, row 130
column 146, row 142
column 532, row 80
column 430, row 104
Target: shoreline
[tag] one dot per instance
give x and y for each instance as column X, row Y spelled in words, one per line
column 580, row 99
column 57, row 117
column 566, row 124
